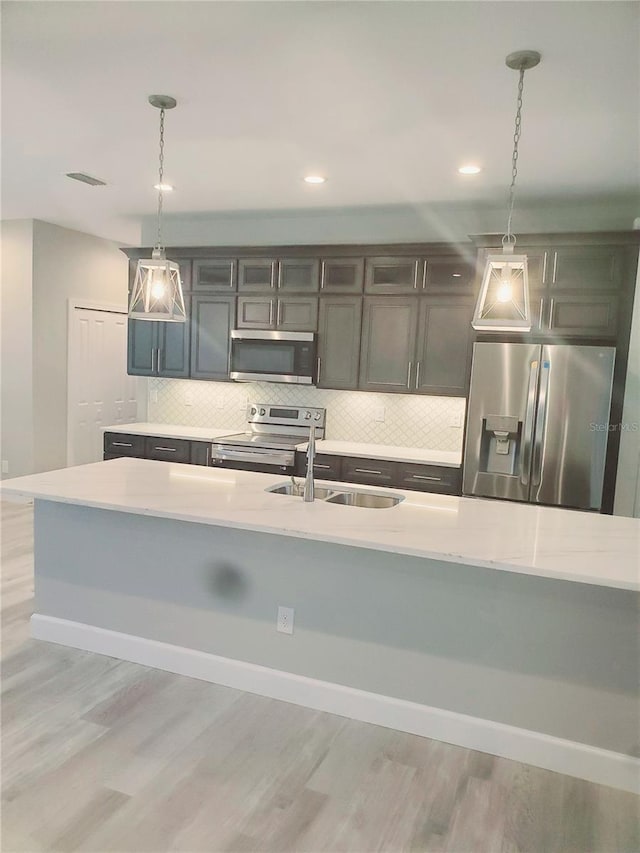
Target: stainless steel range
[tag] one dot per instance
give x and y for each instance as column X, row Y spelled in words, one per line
column 270, row 443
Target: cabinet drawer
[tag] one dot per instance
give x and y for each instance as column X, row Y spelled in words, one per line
column 429, row 478
column 168, row 449
column 374, row 472
column 200, row 453
column 325, row 466
column 123, row 444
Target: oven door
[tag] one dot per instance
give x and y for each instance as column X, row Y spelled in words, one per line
column 261, row 460
column 267, row 356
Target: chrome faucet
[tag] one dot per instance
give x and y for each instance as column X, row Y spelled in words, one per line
column 308, row 494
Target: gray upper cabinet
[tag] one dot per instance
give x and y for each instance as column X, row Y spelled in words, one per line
column 256, row 274
column 214, row 275
column 290, row 314
column 444, row 345
column 449, row 274
column 388, row 343
column 299, row 275
column 158, row 348
column 212, row 318
column 342, row 275
column 339, row 328
column 586, row 268
column 393, row 275
column 582, row 316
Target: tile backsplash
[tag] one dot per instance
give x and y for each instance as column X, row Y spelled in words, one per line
column 408, row 420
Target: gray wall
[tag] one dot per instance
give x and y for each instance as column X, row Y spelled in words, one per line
column 551, row 656
column 66, row 265
column 16, row 363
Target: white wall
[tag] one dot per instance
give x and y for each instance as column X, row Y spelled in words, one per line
column 395, row 224
column 16, row 386
column 66, row 265
column 627, row 500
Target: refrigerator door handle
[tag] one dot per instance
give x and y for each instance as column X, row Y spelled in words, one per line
column 541, row 420
column 527, row 431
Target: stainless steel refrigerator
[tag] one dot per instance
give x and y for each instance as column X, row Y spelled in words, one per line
column 537, row 423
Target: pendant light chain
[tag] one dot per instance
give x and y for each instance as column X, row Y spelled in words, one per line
column 160, row 176
column 509, row 237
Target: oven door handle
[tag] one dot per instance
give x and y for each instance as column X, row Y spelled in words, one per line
column 259, row 457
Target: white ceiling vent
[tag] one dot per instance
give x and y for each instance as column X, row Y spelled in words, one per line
column 86, row 179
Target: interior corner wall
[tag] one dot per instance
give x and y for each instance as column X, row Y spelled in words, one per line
column 66, row 265
column 627, row 499
column 16, row 364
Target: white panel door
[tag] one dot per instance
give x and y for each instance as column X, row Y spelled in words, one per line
column 100, row 391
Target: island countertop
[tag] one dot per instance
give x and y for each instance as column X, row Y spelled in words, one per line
column 502, row 535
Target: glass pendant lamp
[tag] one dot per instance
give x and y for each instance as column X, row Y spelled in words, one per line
column 503, row 301
column 157, row 288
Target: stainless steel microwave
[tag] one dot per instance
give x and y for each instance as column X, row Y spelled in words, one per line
column 261, row 355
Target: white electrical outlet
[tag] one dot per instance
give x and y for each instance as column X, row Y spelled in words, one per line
column 379, row 414
column 5, row 466
column 285, row 620
column 188, row 398
column 457, row 420
column 153, row 395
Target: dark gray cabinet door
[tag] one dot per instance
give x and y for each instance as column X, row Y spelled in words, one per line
column 200, row 452
column 142, row 345
column 444, row 345
column 342, row 275
column 393, row 275
column 388, row 343
column 174, row 340
column 449, row 274
column 214, row 275
column 212, row 319
column 256, row 312
column 587, row 268
column 299, row 275
column 256, row 274
column 583, row 315
column 297, row 314
column 339, row 329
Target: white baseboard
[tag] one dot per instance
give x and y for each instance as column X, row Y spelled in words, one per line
column 540, row 750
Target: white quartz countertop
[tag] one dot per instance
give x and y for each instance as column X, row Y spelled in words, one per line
column 447, row 458
column 541, row 541
column 170, row 431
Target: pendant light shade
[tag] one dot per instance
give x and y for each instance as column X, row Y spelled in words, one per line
column 503, row 301
column 157, row 289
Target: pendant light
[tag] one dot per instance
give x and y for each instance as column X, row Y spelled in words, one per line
column 157, row 289
column 503, row 303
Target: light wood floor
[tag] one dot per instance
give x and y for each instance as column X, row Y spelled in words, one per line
column 104, row 755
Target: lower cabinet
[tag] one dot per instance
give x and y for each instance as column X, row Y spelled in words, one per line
column 117, row 444
column 200, row 453
column 382, row 472
column 168, row 449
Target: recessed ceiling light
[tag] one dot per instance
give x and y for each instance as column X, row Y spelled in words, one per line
column 314, row 179
column 165, row 188
column 469, row 169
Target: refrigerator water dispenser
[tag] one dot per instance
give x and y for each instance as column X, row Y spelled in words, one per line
column 500, row 446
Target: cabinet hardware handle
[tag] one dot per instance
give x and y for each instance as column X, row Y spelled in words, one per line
column 415, row 276
column 367, row 471
column 424, row 274
column 158, row 363
column 167, row 449
column 540, row 318
column 555, row 267
column 323, row 273
column 417, row 374
column 324, row 467
column 273, row 278
column 279, row 313
column 121, row 444
column 424, row 477
column 551, row 313
column 271, row 312
column 208, row 456
column 409, row 374
column 544, row 268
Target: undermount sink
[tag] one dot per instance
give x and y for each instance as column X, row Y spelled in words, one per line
column 344, row 497
column 368, row 500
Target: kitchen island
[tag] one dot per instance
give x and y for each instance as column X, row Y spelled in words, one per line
column 503, row 627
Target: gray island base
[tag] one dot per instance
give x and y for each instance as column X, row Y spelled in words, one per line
column 536, row 669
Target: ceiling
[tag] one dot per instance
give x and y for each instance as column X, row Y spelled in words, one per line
column 386, row 99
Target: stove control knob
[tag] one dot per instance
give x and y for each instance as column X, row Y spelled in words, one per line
column 307, row 416
column 263, row 411
column 316, row 417
column 253, row 410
